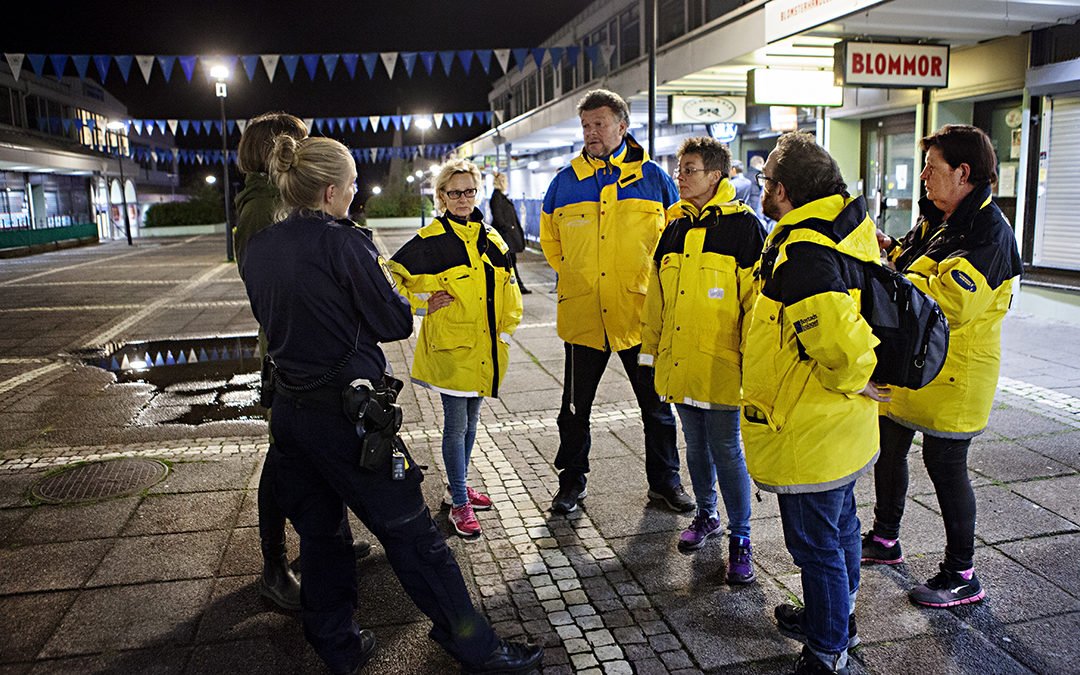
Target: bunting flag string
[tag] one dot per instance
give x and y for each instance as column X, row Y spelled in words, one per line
column 372, row 155
column 150, row 65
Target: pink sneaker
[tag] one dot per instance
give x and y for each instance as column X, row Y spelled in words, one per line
column 478, row 500
column 464, row 521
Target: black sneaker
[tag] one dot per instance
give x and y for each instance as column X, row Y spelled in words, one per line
column 948, row 589
column 876, row 553
column 676, row 499
column 810, row 664
column 566, row 499
column 789, row 620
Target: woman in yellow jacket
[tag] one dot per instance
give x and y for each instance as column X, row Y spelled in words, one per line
column 700, row 290
column 457, row 275
column 963, row 254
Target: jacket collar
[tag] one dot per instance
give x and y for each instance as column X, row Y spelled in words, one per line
column 964, row 215
column 724, row 196
column 628, row 158
column 837, row 222
column 467, row 229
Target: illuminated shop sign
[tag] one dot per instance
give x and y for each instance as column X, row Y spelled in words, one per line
column 784, row 18
column 876, row 64
column 779, row 86
column 706, row 109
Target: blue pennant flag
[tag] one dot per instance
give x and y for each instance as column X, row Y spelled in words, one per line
column 329, row 62
column 370, row 59
column 187, row 64
column 37, row 62
column 556, row 56
column 468, row 119
column 409, row 59
column 81, row 61
column 311, row 63
column 447, row 59
column 251, row 63
column 166, row 63
column 291, row 61
column 123, row 62
column 429, row 60
column 484, row 57
column 59, row 63
column 538, row 56
column 396, row 121
column 352, row 124
column 318, row 124
column 572, row 53
column 592, row 52
column 519, row 57
column 465, row 57
column 101, row 62
column 350, row 64
column 184, row 124
column 231, row 125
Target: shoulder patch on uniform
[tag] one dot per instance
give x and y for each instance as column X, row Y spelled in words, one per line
column 386, row 272
column 964, row 281
column 803, row 325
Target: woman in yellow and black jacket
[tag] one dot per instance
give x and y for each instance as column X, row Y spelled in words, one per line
column 700, row 290
column 457, row 275
column 963, row 254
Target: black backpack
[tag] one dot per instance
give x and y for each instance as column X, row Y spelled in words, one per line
column 913, row 330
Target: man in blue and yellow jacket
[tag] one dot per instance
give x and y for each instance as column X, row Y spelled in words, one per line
column 810, row 410
column 601, row 219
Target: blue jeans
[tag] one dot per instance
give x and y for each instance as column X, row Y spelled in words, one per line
column 460, row 415
column 821, row 530
column 713, row 454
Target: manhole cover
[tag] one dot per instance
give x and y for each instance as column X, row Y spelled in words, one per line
column 99, row 480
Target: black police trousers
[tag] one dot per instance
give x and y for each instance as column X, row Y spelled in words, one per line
column 314, row 460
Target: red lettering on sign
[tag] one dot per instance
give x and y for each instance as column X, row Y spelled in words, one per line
column 935, row 68
column 909, row 65
column 894, row 65
column 879, row 64
column 856, row 62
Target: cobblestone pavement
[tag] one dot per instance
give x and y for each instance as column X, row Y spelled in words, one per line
column 165, row 580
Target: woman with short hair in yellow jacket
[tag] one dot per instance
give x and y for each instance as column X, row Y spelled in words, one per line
column 457, row 275
column 963, row 254
column 700, row 291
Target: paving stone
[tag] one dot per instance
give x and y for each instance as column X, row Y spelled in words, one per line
column 1044, row 645
column 1043, row 556
column 189, row 512
column 964, row 651
column 582, row 661
column 599, row 638
column 617, row 668
column 676, row 659
column 27, row 621
column 53, row 523
column 49, row 567
column 577, row 646
column 161, row 557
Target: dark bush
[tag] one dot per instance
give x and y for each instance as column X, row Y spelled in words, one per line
column 397, row 204
column 207, row 207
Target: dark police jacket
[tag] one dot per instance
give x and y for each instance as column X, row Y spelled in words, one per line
column 319, row 289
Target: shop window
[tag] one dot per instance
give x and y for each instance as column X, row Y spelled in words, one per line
column 671, row 21
column 695, row 14
column 629, row 36
column 7, row 115
column 569, row 74
column 715, row 9
column 549, row 83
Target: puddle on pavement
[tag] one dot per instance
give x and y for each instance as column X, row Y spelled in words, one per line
column 195, row 380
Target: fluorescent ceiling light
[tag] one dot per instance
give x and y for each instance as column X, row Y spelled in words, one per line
column 778, row 86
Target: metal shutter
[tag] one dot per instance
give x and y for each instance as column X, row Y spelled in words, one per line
column 1057, row 234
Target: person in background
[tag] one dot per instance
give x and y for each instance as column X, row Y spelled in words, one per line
column 458, row 274
column 599, row 225
column 756, row 162
column 319, row 288
column 504, row 219
column 810, row 409
column 744, row 188
column 257, row 207
column 962, row 253
column 700, row 293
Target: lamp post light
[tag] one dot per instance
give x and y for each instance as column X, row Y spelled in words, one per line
column 115, row 127
column 423, row 124
column 376, row 190
column 221, row 73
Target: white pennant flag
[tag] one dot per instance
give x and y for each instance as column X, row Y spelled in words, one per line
column 373, row 152
column 270, row 62
column 309, row 122
column 438, row 120
column 503, row 57
column 606, row 51
column 389, row 59
column 15, row 62
column 374, row 119
column 172, row 126
column 146, row 64
column 241, row 125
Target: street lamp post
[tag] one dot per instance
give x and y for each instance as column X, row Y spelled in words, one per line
column 423, row 124
column 221, row 73
column 115, row 127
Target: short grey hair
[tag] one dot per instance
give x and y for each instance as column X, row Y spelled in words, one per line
column 602, row 98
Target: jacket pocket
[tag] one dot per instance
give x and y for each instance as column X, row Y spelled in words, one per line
column 448, row 335
column 717, row 312
column 774, row 380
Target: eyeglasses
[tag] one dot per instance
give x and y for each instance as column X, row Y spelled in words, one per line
column 688, row 172
column 458, row 194
column 761, row 178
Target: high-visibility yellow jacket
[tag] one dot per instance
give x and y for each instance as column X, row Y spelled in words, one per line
column 809, row 352
column 599, row 225
column 701, row 289
column 968, row 266
column 463, row 348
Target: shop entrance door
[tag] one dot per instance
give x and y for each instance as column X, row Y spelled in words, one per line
column 889, row 171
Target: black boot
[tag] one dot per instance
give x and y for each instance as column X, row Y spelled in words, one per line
column 279, row 584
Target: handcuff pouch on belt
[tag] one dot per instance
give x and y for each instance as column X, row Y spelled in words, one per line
column 372, row 407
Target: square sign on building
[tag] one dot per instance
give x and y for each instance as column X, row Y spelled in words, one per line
column 897, row 65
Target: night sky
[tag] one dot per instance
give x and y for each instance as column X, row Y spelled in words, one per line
column 201, row 27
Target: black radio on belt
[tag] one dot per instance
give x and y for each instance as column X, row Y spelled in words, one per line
column 373, row 408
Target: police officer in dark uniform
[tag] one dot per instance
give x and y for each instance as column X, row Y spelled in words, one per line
column 322, row 293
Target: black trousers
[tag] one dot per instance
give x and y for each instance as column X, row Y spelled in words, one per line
column 271, row 517
column 584, row 368
column 946, row 464
column 314, row 462
column 517, row 275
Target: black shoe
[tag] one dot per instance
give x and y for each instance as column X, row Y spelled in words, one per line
column 810, row 664
column 367, row 650
column 876, row 553
column 362, row 549
column 789, row 620
column 676, row 499
column 279, row 584
column 525, row 291
column 566, row 499
column 948, row 589
column 511, row 657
